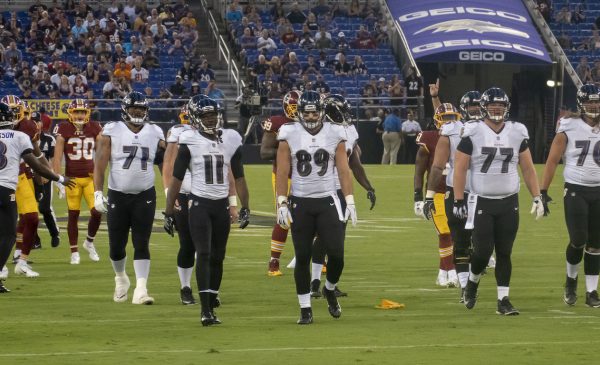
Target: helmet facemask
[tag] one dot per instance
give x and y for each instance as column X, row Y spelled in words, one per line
column 208, row 122
column 496, row 112
column 311, row 118
column 136, row 115
column 591, row 107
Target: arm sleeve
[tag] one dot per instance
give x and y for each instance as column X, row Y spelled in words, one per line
column 159, row 156
column 524, row 145
column 237, row 167
column 466, row 146
column 182, row 162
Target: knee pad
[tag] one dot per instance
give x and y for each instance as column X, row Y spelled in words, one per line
column 462, row 256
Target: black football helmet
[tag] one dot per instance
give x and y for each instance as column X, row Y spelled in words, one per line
column 205, row 114
column 6, row 116
column 495, row 95
column 309, row 104
column 588, row 100
column 468, row 103
column 337, row 109
column 134, row 100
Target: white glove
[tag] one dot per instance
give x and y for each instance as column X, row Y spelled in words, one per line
column 538, row 207
column 419, row 209
column 61, row 190
column 351, row 214
column 100, row 202
column 284, row 217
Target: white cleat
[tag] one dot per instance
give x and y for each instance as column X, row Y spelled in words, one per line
column 89, row 247
column 24, row 269
column 4, row 273
column 75, row 259
column 442, row 279
column 292, row 263
column 492, row 263
column 121, row 288
column 452, row 279
column 140, row 296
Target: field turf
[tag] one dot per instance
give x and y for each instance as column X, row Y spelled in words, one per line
column 67, row 315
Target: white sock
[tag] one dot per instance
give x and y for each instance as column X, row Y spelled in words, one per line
column 22, row 262
column 572, row 270
column 304, row 300
column 591, row 283
column 474, row 278
column 141, row 283
column 185, row 276
column 17, row 253
column 502, row 292
column 317, row 269
column 329, row 285
column 142, row 269
column 119, row 266
column 463, row 277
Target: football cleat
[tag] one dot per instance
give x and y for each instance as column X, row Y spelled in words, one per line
column 570, row 295
column 216, row 320
column 121, row 288
column 217, row 302
column 3, row 289
column 442, row 278
column 55, row 241
column 491, row 263
column 470, row 294
column 4, row 273
column 306, row 316
column 462, row 296
column 207, row 319
column 339, row 293
column 591, row 299
column 37, row 244
column 75, row 259
column 314, row 288
column 89, row 247
column 25, row 269
column 187, row 298
column 140, row 296
column 505, row 308
column 452, row 279
column 332, row 303
column 292, row 263
column 274, row 268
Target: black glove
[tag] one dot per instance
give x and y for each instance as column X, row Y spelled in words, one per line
column 428, row 208
column 459, row 209
column 244, row 217
column 371, row 196
column 418, row 196
column 169, row 224
column 545, row 200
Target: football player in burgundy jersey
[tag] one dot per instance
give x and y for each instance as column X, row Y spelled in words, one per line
column 76, row 140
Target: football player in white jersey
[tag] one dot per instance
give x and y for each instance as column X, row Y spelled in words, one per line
column 337, row 110
column 14, row 146
column 577, row 141
column 131, row 146
column 209, row 153
column 490, row 150
column 313, row 150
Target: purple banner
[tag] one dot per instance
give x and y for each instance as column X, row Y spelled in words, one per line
column 469, row 31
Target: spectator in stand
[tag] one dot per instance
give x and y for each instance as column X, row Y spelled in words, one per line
column 381, row 32
column 564, row 41
column 595, row 40
column 321, row 9
column 323, row 40
column 311, row 67
column 563, row 16
column 44, row 87
column 168, row 18
column 195, row 89
column 286, row 82
column 79, row 29
column 304, row 84
column 289, row 36
column 260, row 67
column 189, row 20
column 122, row 22
column 359, row 67
column 26, row 80
column 275, row 65
column 177, row 49
column 189, row 36
column 114, row 8
column 253, row 15
column 296, row 16
column 396, row 91
column 105, row 20
column 204, row 73
column 293, row 67
column 139, row 23
column 246, row 42
column 104, row 71
column 158, row 29
column 277, row 10
column 150, row 61
column 265, row 43
column 73, row 73
column 410, row 129
column 414, row 86
column 90, row 22
column 321, row 85
column 148, row 92
column 234, row 13
column 86, row 48
column 134, row 44
column 342, row 42
column 64, row 88
column 354, row 9
column 307, row 42
column 34, row 42
column 102, row 48
column 119, row 53
column 311, row 22
column 27, row 93
column 596, row 72
column 322, row 33
column 363, row 39
column 177, row 89
column 112, row 90
column 125, row 85
column 583, row 70
column 122, row 70
column 323, row 62
column 138, row 73
column 187, row 72
column 578, row 14
column 149, row 45
column 213, row 92
column 12, row 52
column 91, row 74
column 343, row 68
column 586, row 44
column 78, row 89
column 382, row 87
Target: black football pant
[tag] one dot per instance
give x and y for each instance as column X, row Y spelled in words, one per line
column 133, row 212
column 185, row 256
column 582, row 213
column 45, row 206
column 8, row 223
column 318, row 254
column 496, row 225
column 316, row 217
column 461, row 237
column 209, row 225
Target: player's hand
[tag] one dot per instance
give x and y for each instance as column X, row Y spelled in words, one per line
column 284, row 217
column 244, row 218
column 428, row 208
column 434, row 89
column 459, row 209
column 538, row 207
column 68, row 182
column 100, row 202
column 169, row 224
column 233, row 214
column 418, row 208
column 371, row 196
column 350, row 214
column 61, row 190
column 545, row 200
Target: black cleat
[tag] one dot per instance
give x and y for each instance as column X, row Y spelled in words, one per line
column 314, row 289
column 470, row 294
column 207, row 319
column 216, row 303
column 332, row 304
column 55, row 242
column 570, row 296
column 505, row 308
column 3, row 289
column 215, row 319
column 339, row 293
column 306, row 316
column 462, row 296
column 591, row 299
column 187, row 298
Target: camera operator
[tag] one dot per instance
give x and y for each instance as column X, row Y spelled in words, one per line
column 250, row 104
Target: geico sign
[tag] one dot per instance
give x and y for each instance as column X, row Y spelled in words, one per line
column 461, row 10
column 477, row 42
column 481, row 56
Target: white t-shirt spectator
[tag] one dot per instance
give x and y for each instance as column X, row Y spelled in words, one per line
column 268, row 44
column 72, row 79
column 140, row 75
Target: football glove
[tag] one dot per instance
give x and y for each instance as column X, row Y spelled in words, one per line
column 284, row 217
column 545, row 200
column 350, row 214
column 459, row 209
column 244, row 217
column 428, row 208
column 169, row 224
column 538, row 207
column 418, row 208
column 61, row 190
column 100, row 202
column 371, row 196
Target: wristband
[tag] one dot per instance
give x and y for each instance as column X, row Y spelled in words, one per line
column 281, row 199
column 61, row 179
column 40, row 156
column 232, row 201
column 350, row 199
column 430, row 194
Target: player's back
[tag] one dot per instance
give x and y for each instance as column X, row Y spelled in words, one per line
column 429, row 140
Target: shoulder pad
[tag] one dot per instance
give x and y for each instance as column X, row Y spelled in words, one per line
column 109, row 128
column 450, row 129
column 521, row 129
column 187, row 137
column 566, row 125
column 469, row 129
column 231, row 137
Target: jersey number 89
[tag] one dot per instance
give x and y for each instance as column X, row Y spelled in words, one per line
column 304, row 167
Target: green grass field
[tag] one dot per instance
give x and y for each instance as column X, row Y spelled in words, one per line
column 67, row 316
